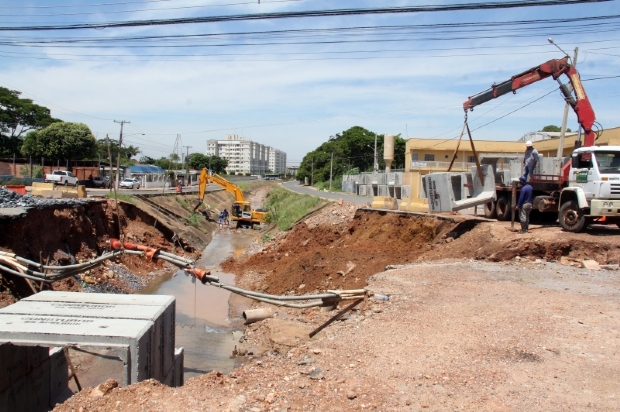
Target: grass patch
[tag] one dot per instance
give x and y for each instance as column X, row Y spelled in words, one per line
column 285, row 207
column 336, row 185
column 195, row 219
column 245, row 187
column 119, row 196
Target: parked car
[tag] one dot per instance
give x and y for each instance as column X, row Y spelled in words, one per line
column 103, row 182
column 130, row 183
column 61, row 177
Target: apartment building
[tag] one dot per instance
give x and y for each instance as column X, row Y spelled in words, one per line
column 246, row 156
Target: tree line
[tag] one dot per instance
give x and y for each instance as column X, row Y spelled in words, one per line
column 352, row 151
column 29, row 130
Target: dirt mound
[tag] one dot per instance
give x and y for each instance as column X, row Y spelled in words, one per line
column 340, row 246
column 340, row 255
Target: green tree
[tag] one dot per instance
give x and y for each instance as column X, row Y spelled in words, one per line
column 197, row 161
column 62, row 140
column 127, row 152
column 353, row 149
column 552, row 128
column 17, row 117
column 147, row 160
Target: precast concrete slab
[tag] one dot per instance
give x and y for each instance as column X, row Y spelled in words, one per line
column 175, row 376
column 159, row 309
column 132, row 339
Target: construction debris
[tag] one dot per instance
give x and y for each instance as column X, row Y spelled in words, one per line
column 10, row 199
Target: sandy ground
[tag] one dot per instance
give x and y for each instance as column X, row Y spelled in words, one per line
column 478, row 318
column 454, row 336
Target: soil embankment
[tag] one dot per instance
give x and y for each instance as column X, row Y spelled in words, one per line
column 479, row 318
column 69, row 233
column 342, row 246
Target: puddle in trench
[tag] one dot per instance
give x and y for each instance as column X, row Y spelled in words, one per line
column 202, row 324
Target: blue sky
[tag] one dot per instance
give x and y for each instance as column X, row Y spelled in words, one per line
column 293, row 90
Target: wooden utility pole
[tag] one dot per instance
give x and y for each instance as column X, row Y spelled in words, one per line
column 120, row 143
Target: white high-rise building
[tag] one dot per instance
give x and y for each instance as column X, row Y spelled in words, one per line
column 246, row 156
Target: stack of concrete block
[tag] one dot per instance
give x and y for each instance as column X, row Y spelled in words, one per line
column 139, row 328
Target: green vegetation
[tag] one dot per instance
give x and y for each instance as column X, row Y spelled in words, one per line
column 17, row 117
column 119, row 196
column 553, row 128
column 346, row 153
column 336, row 185
column 285, row 207
column 245, row 187
column 195, row 219
column 61, row 140
column 37, row 171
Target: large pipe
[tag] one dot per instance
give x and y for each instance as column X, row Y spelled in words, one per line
column 255, row 315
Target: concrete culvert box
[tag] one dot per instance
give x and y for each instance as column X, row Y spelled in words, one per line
column 138, row 328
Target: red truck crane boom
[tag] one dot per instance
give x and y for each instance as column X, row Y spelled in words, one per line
column 553, row 68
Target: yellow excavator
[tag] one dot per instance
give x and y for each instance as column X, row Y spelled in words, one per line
column 241, row 210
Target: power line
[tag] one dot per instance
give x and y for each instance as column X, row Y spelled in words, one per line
column 305, row 14
column 139, row 10
column 356, row 30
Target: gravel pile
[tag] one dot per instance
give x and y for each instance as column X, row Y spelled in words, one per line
column 8, row 199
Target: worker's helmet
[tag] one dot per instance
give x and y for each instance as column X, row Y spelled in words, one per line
column 528, row 143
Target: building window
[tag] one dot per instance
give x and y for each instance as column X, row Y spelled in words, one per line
column 470, row 159
column 429, row 158
column 414, row 157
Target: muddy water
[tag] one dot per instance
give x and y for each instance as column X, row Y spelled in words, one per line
column 203, row 326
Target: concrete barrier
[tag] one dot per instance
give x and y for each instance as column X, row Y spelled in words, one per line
column 383, row 202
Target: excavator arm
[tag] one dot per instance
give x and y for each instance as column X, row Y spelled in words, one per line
column 553, row 68
column 205, row 178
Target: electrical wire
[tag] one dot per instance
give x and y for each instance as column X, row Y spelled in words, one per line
column 202, row 6
column 340, row 31
column 304, row 14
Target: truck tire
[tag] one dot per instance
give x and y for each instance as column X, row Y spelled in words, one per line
column 503, row 209
column 489, row 210
column 571, row 217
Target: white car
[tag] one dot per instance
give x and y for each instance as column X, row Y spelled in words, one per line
column 130, row 184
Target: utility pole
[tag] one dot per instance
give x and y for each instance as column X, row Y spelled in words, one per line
column 312, row 174
column 120, row 143
column 187, row 164
column 331, row 170
column 565, row 118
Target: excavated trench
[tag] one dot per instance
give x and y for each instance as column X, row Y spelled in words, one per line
column 317, row 257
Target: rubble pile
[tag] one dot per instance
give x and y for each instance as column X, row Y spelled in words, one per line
column 9, row 199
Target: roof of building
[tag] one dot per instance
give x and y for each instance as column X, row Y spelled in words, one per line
column 146, row 169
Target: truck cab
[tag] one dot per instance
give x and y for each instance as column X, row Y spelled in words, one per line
column 593, row 190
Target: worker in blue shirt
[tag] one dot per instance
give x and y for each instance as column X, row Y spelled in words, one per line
column 524, row 205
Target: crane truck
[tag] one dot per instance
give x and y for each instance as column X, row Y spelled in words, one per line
column 586, row 189
column 241, row 209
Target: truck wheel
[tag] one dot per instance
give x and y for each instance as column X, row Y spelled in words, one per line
column 571, row 217
column 489, row 210
column 503, row 209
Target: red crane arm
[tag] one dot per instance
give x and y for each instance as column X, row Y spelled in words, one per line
column 554, row 68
